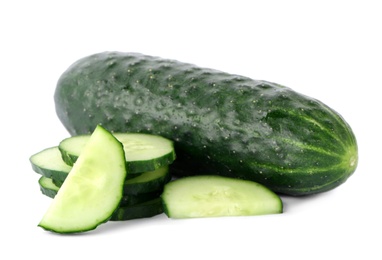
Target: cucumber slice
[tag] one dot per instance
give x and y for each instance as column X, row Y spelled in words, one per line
column 143, row 210
column 49, row 163
column 216, row 196
column 92, row 190
column 144, row 152
column 50, row 189
column 59, row 182
column 130, row 199
column 143, row 183
column 148, row 182
column 47, row 186
column 131, row 206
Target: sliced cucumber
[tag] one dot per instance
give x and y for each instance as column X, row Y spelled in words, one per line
column 131, row 206
column 49, row 163
column 47, row 186
column 143, row 210
column 92, row 190
column 59, row 182
column 71, row 148
column 148, row 182
column 130, row 199
column 144, row 152
column 50, row 189
column 215, row 196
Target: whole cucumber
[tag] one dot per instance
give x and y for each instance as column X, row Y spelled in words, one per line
column 221, row 123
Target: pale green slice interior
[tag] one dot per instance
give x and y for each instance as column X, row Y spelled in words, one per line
column 137, row 146
column 50, row 159
column 216, row 196
column 92, row 189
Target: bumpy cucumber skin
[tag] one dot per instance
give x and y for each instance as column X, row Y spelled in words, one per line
column 220, row 123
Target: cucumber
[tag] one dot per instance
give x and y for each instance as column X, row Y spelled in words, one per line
column 146, row 182
column 217, row 196
column 131, row 206
column 47, row 187
column 142, row 210
column 50, row 189
column 220, row 123
column 92, row 190
column 49, row 163
column 143, row 152
column 131, row 199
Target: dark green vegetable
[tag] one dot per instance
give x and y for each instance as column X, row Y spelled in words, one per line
column 220, row 123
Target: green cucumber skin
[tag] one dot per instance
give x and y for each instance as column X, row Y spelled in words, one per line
column 132, row 187
column 58, row 173
column 68, row 158
column 146, row 209
column 220, row 123
column 58, row 176
column 48, row 190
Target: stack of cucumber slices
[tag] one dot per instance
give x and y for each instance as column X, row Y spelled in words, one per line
column 108, row 176
column 88, row 169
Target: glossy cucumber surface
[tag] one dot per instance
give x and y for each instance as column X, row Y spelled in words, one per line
column 220, row 123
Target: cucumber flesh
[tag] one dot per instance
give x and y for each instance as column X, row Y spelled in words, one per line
column 148, row 182
column 93, row 189
column 49, row 163
column 143, row 152
column 50, row 189
column 47, row 186
column 217, row 196
column 131, row 206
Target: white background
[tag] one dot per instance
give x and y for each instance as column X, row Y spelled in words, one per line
column 330, row 50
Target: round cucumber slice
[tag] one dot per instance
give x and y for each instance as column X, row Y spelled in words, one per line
column 143, row 152
column 49, row 163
